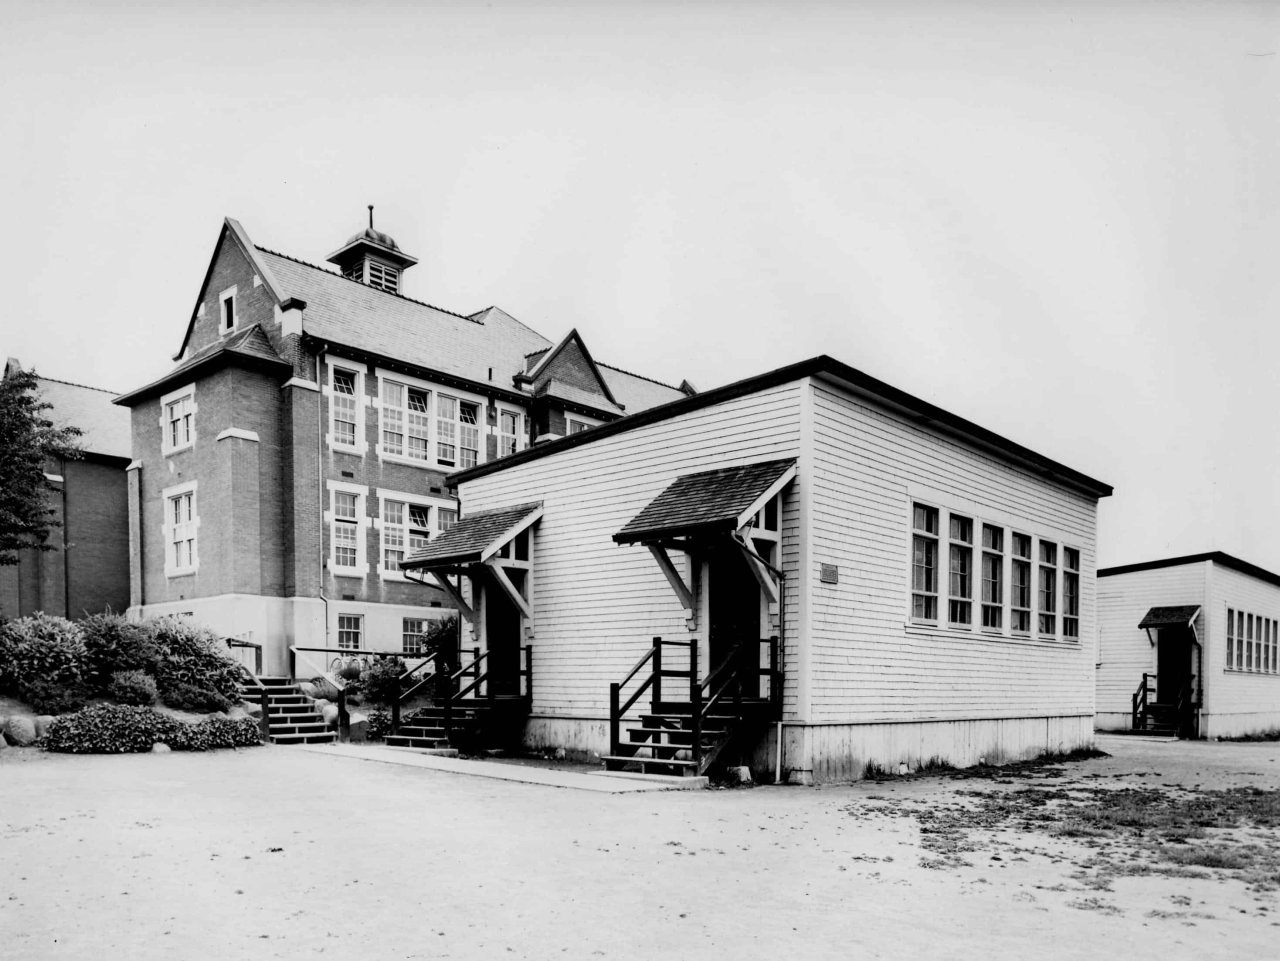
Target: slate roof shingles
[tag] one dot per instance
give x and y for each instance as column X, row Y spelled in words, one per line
column 106, row 428
column 469, row 537
column 710, row 499
column 1178, row 616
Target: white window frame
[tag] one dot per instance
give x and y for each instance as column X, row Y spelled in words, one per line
column 331, row 518
column 361, row 444
column 228, row 295
column 430, row 389
column 433, row 504
column 359, row 632
column 935, row 537
column 522, row 429
column 171, row 398
column 958, row 545
column 481, row 428
column 169, row 529
column 420, row 634
column 582, row 423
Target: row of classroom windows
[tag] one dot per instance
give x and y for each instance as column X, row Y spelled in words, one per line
column 412, row 639
column 1252, row 642
column 1043, row 587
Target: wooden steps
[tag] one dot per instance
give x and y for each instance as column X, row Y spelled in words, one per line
column 291, row 715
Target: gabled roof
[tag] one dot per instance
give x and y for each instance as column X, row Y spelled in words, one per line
column 713, row 501
column 1180, row 616
column 833, row 371
column 1217, row 557
column 347, row 312
column 635, row 393
column 232, row 227
column 247, row 348
column 546, row 366
column 474, row 538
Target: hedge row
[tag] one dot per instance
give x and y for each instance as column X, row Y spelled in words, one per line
column 120, row 729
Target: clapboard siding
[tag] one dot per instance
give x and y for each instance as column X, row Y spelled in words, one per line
column 598, row 605
column 870, row 666
column 1237, row 702
column 1125, row 651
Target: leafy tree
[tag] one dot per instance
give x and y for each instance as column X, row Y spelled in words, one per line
column 28, row 441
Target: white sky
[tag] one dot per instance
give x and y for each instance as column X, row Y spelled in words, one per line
column 1057, row 220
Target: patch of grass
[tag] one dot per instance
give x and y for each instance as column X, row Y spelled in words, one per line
column 1218, row 856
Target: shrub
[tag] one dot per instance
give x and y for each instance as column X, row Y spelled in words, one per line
column 379, row 725
column 132, row 687
column 113, row 644
column 54, row 697
column 119, row 729
column 42, row 649
column 189, row 697
column 380, row 682
column 192, row 655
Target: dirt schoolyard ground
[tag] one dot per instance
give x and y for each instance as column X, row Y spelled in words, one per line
column 1164, row 849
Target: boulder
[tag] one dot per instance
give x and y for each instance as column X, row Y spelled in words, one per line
column 42, row 723
column 738, row 775
column 160, row 748
column 309, row 689
column 21, row 731
column 329, row 713
column 252, row 709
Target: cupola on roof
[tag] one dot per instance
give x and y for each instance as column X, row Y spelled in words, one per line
column 369, row 244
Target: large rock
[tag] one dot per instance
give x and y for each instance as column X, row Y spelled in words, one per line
column 160, row 748
column 309, row 689
column 21, row 731
column 42, row 723
column 330, row 714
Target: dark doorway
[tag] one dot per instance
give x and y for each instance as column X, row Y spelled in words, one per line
column 1173, row 663
column 502, row 636
column 734, row 612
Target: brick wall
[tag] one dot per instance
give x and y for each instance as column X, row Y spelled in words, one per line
column 254, row 304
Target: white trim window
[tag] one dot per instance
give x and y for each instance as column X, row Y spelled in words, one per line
column 1048, row 593
column 960, row 563
column 458, row 432
column 1070, row 593
column 228, row 319
column 406, row 527
column 1020, row 586
column 924, row 563
column 509, row 431
column 345, row 394
column 446, row 517
column 347, row 522
column 405, row 421
column 992, row 577
column 350, row 632
column 180, row 529
column 413, row 635
column 178, row 420
column 574, row 426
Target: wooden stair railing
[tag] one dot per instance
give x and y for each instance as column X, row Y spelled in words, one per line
column 264, row 701
column 1141, row 697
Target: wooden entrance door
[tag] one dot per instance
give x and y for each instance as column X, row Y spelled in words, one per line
column 1173, row 663
column 502, row 636
column 733, row 603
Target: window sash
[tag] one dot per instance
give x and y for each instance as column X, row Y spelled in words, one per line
column 992, row 590
column 413, row 635
column 350, row 631
column 343, row 400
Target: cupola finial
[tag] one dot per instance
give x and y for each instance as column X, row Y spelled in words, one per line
column 370, row 216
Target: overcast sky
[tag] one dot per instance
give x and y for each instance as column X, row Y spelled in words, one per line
column 1057, row 220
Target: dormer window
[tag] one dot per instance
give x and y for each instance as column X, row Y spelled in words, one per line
column 227, row 311
column 383, row 277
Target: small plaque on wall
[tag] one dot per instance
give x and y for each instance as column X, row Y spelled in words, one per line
column 830, row 574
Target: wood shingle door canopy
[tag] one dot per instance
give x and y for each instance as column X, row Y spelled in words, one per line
column 1180, row 616
column 474, row 539
column 712, row 502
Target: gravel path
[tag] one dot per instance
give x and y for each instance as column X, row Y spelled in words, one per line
column 273, row 853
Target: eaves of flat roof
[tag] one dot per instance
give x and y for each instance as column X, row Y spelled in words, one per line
column 825, row 368
column 1218, row 557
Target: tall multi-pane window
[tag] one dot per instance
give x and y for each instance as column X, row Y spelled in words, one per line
column 414, row 635
column 1070, row 592
column 1020, row 588
column 178, row 420
column 406, row 422
column 346, row 531
column 508, row 432
column 445, row 518
column 344, row 407
column 1048, row 588
column 393, row 516
column 182, row 530
column 458, row 427
column 992, row 576
column 350, row 631
column 924, row 563
column 960, row 592
column 1231, row 638
column 1239, row 640
column 1248, row 642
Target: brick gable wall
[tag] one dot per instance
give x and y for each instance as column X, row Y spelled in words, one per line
column 254, row 304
